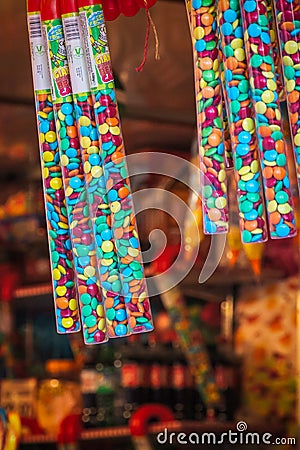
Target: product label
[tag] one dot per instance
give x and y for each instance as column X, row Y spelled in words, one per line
column 57, row 57
column 38, row 47
column 75, row 54
column 96, row 46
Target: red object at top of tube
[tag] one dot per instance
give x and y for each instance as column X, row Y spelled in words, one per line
column 68, row 6
column 50, row 9
column 33, row 5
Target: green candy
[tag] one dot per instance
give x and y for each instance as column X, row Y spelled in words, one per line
column 218, row 122
column 246, row 206
column 207, row 132
column 238, row 163
column 94, row 303
column 82, row 250
column 69, row 284
column 289, row 72
column 276, row 135
column 256, row 60
column 246, row 236
column 208, row 75
column 85, row 299
column 110, row 314
column 211, row 202
column 210, row 45
column 116, row 286
column 86, row 310
column 243, row 86
column 253, row 197
column 64, row 144
column 228, row 51
column 263, row 20
column 135, row 266
column 207, row 191
column 235, row 106
column 281, row 197
column 218, row 158
column 122, row 251
column 90, row 321
column 53, row 235
column 281, row 160
column 55, row 257
column 211, row 151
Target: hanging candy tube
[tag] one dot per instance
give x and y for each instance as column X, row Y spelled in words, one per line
column 209, row 117
column 82, row 237
column 268, row 119
column 288, row 22
column 241, row 125
column 61, row 258
column 114, row 166
column 108, row 263
column 275, row 50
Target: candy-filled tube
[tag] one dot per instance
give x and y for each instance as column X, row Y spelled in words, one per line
column 271, row 142
column 81, row 228
column 108, row 263
column 288, row 23
column 241, row 124
column 61, row 258
column 209, row 116
column 113, row 162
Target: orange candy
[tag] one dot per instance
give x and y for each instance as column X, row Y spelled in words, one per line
column 207, row 19
column 275, row 217
column 251, row 225
column 270, row 194
column 232, row 63
column 265, row 131
column 206, row 63
column 267, row 172
column 117, row 157
column 279, row 173
column 123, row 192
column 72, row 132
column 214, row 140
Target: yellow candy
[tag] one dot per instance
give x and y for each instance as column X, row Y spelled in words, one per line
column 73, row 304
column 267, row 96
column 73, row 225
column 272, row 206
column 237, row 43
column 61, row 269
column 69, row 191
column 290, row 85
column 248, row 176
column 97, row 171
column 87, row 167
column 67, row 322
column 42, row 115
column 287, row 61
column 100, row 311
column 85, row 142
column 107, row 262
column 285, row 208
column 107, row 246
column 89, row 271
column 101, row 325
column 56, row 183
column 248, row 124
column 61, row 291
column 220, row 202
column 84, row 121
column 56, row 274
column 92, row 150
column 134, row 252
column 48, row 157
column 64, row 160
column 239, row 53
column 199, row 33
column 291, row 47
column 103, row 129
column 271, row 85
column 222, row 176
column 115, row 131
column 297, row 140
column 268, row 74
column 115, row 207
column 254, row 166
column 50, row 136
column 63, row 225
column 260, row 108
column 42, row 138
column 46, row 172
column 244, row 170
column 142, row 296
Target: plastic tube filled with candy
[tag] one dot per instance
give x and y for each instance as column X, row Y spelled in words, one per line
column 114, row 166
column 288, row 22
column 116, row 314
column 241, row 124
column 268, row 119
column 82, row 236
column 209, row 117
column 61, row 257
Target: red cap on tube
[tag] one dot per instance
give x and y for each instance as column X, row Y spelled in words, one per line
column 82, row 3
column 50, row 9
column 33, row 5
column 129, row 7
column 68, row 6
column 111, row 9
